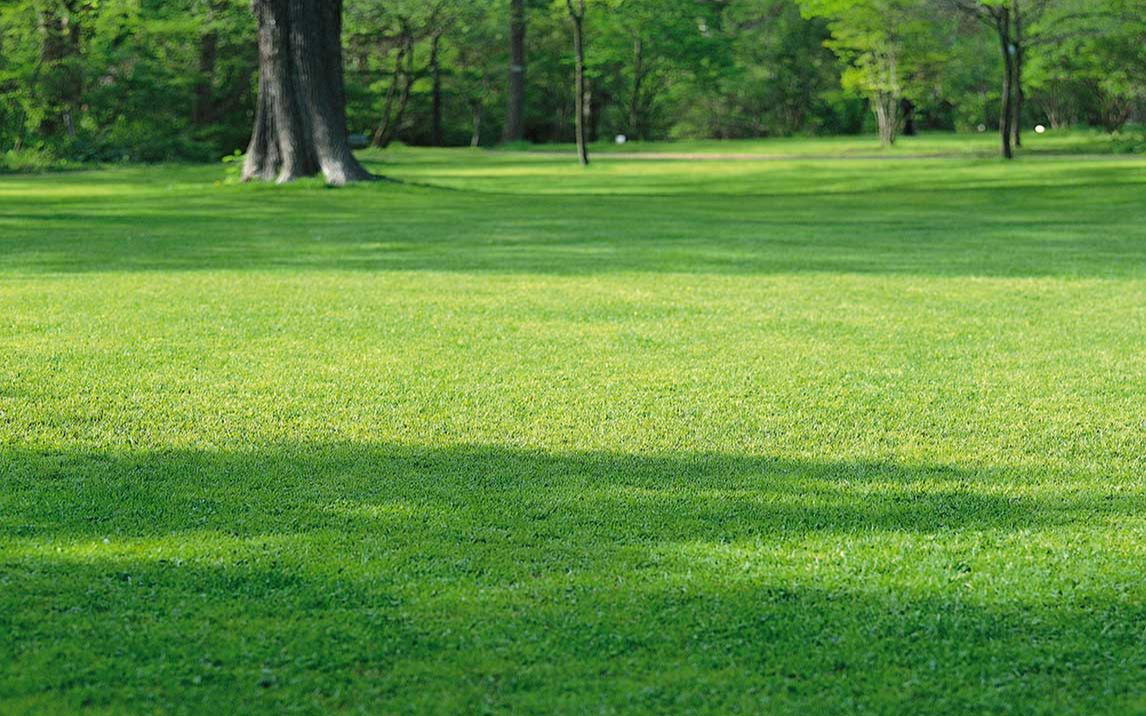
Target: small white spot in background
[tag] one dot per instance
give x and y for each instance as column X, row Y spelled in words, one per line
column 621, row 139
column 982, row 128
column 1039, row 129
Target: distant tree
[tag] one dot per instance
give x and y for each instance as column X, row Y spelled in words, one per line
column 1004, row 17
column 61, row 25
column 881, row 40
column 300, row 120
column 1021, row 25
column 393, row 30
column 120, row 79
column 754, row 68
column 640, row 48
column 1089, row 60
column 144, row 80
column 477, row 66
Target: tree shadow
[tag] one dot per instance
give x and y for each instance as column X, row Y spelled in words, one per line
column 329, row 576
column 535, row 496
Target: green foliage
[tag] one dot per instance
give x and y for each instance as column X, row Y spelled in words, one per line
column 116, row 79
column 29, row 160
column 1095, row 70
column 141, row 80
column 233, row 167
column 893, row 49
column 773, row 78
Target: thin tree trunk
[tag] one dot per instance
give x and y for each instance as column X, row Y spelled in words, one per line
column 202, row 112
column 476, row 112
column 592, row 116
column 515, row 111
column 577, row 15
column 1017, row 76
column 300, row 121
column 391, row 94
column 887, row 117
column 388, row 129
column 436, row 99
column 907, row 113
column 887, row 99
column 404, row 99
column 1006, row 111
column 635, row 99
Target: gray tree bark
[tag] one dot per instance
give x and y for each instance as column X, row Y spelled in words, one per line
column 300, row 118
column 886, row 106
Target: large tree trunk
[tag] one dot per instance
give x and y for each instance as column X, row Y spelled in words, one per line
column 577, row 15
column 300, row 119
column 515, row 111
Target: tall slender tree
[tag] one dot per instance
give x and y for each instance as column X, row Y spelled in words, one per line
column 300, row 119
column 515, row 110
column 998, row 15
column 576, row 10
column 1018, row 60
column 203, row 106
column 436, row 89
column 401, row 84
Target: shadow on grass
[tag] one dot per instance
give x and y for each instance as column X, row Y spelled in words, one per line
column 340, row 576
column 535, row 497
column 140, row 634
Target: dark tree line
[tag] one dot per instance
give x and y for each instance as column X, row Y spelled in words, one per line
column 121, row 79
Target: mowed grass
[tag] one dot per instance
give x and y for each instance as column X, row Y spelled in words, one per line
column 781, row 436
column 1132, row 138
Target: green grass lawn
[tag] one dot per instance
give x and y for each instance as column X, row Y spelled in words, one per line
column 800, row 436
column 1130, row 139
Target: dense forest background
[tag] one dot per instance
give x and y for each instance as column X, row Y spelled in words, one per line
column 149, row 80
